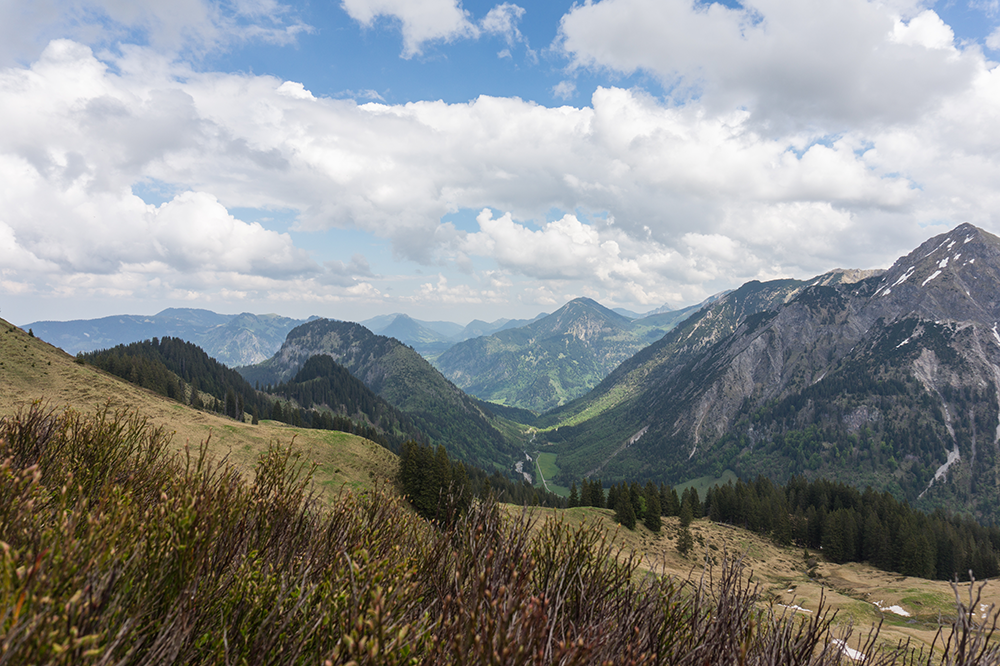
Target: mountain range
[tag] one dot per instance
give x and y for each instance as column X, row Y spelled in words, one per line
column 882, row 378
column 431, row 338
column 241, row 339
column 890, row 380
column 553, row 359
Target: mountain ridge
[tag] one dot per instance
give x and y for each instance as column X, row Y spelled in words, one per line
column 554, row 359
column 401, row 376
column 891, row 380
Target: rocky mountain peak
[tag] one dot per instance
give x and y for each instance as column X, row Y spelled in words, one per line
column 952, row 277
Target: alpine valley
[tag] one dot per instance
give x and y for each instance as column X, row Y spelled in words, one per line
column 888, row 379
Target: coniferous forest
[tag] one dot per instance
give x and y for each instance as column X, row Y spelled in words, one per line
column 842, row 522
column 183, row 371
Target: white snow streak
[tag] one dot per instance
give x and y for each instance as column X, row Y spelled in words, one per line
column 851, row 653
column 794, row 607
column 933, row 275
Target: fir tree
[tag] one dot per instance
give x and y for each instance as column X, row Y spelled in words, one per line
column 574, row 499
column 624, row 511
column 652, row 518
column 685, row 541
column 686, row 516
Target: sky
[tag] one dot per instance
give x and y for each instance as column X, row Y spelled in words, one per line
column 475, row 160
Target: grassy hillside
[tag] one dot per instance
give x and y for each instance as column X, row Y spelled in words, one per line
column 31, row 369
column 788, row 578
column 114, row 550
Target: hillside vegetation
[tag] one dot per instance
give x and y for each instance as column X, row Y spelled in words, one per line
column 440, row 410
column 117, row 551
column 31, row 369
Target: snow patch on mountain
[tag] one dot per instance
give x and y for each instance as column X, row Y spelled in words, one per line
column 932, row 276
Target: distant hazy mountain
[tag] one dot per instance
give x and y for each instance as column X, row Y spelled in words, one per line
column 660, row 310
column 627, row 313
column 892, row 381
column 231, row 339
column 444, row 330
column 552, row 360
column 431, row 338
column 439, row 409
column 478, row 327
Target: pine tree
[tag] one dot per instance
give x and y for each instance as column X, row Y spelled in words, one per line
column 685, row 516
column 637, row 500
column 670, row 504
column 690, row 504
column 652, row 518
column 574, row 499
column 684, row 540
column 614, row 495
column 231, row 404
column 624, row 511
column 597, row 489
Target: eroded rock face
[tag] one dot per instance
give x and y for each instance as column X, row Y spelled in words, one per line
column 879, row 378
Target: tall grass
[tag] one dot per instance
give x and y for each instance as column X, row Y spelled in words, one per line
column 113, row 550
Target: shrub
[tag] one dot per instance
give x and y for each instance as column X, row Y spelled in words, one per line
column 113, row 550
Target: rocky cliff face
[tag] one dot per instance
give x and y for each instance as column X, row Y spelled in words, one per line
column 891, row 380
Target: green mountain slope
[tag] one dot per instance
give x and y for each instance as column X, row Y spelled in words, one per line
column 554, row 359
column 890, row 381
column 439, row 409
column 321, row 396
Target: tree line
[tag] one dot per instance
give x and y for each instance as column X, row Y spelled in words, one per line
column 182, row 371
column 849, row 525
column 441, row 489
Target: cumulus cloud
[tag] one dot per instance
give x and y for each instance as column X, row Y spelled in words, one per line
column 349, row 274
column 564, row 90
column 192, row 26
column 668, row 200
column 420, row 21
column 993, row 40
column 502, row 21
column 795, row 65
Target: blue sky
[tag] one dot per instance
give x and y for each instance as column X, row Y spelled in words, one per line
column 460, row 160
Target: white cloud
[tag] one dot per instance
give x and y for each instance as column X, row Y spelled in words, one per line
column 696, row 198
column 993, row 40
column 809, row 64
column 347, row 275
column 442, row 291
column 421, row 21
column 502, row 21
column 925, row 29
column 564, row 89
column 195, row 26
